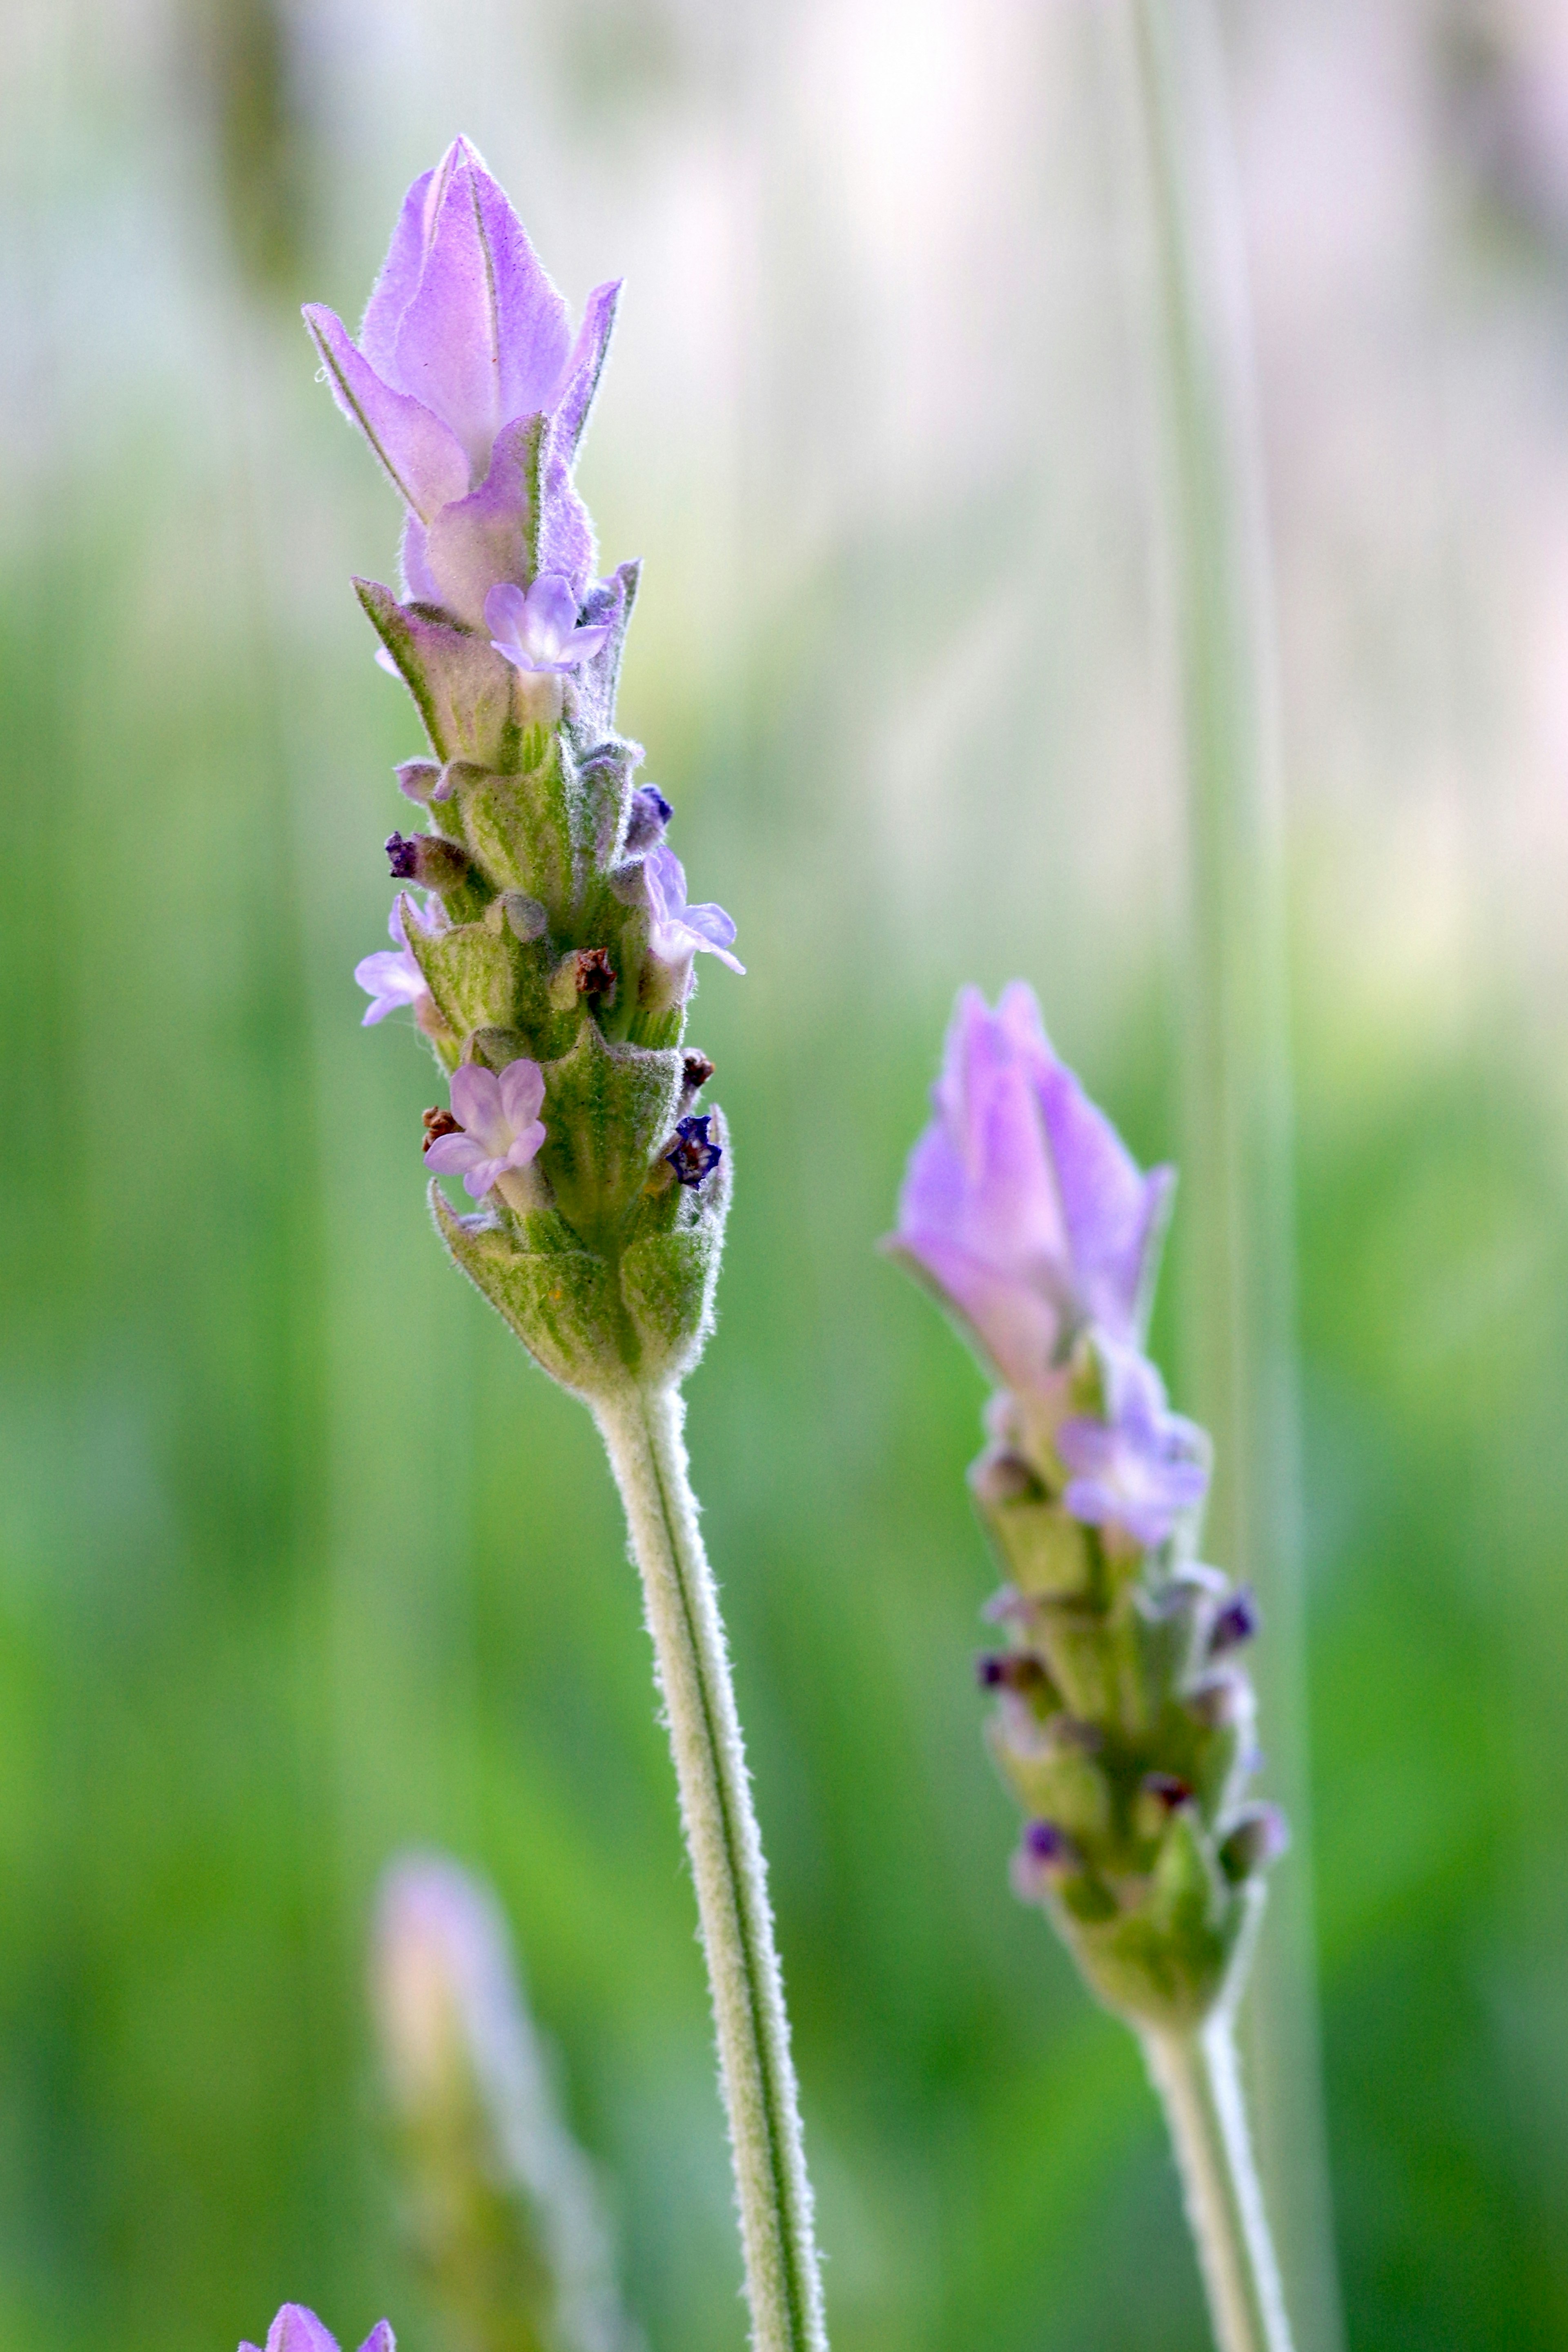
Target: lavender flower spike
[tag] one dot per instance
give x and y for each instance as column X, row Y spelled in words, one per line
column 538, row 630
column 677, row 930
column 1021, row 1205
column 392, row 980
column 1140, row 1467
column 463, row 343
column 295, row 2329
column 500, row 1114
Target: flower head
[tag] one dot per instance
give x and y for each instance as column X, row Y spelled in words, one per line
column 500, row 1116
column 1021, row 1204
column 295, row 2329
column 1140, row 1467
column 464, row 342
column 537, row 629
column 392, row 979
column 677, row 930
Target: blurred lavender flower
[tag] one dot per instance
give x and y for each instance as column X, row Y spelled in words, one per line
column 678, row 930
column 1025, row 1213
column 1021, row 1205
column 537, row 629
column 501, row 2203
column 465, row 344
column 295, row 2329
column 1140, row 1467
column 389, row 979
column 502, row 1122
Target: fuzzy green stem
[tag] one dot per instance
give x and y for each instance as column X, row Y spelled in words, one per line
column 1196, row 2077
column 642, row 1432
column 1237, row 1358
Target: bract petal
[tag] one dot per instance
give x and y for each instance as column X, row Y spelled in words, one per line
column 424, row 462
column 484, row 337
column 481, row 540
column 581, row 381
column 397, row 283
column 381, row 2339
column 295, row 2329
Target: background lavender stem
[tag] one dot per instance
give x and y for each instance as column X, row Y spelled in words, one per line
column 1237, row 1288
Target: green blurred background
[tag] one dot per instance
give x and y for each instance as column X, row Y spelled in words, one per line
column 301, row 1561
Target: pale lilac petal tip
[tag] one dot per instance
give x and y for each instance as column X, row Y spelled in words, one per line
column 427, row 465
column 475, row 1096
column 295, row 2329
column 522, row 1092
column 381, row 2339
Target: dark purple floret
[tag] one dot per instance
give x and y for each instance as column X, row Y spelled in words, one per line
column 403, row 856
column 692, row 1155
column 1043, row 1841
column 1237, row 1623
column 1169, row 1790
column 649, row 815
column 1014, row 1670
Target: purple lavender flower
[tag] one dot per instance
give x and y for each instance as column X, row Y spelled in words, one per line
column 1021, row 1204
column 464, row 343
column 537, row 630
column 295, row 2329
column 392, row 980
column 677, row 930
column 1140, row 1467
column 501, row 1117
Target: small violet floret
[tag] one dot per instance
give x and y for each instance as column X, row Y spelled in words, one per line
column 500, row 1122
column 693, row 1155
column 1021, row 1205
column 677, row 930
column 1141, row 1467
column 537, row 629
column 295, row 2329
column 393, row 979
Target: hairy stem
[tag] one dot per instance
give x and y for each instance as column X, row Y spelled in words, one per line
column 1195, row 2075
column 641, row 1429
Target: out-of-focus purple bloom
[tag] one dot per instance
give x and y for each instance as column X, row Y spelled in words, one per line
column 537, row 629
column 677, row 930
column 391, row 978
column 502, row 1128
column 1021, row 1204
column 1141, row 1467
column 466, row 340
column 295, row 2329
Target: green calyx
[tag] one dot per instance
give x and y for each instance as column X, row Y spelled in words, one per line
column 600, row 1259
column 1127, row 1742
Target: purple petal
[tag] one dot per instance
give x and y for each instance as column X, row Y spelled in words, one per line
column 712, row 925
column 485, row 1175
column 395, row 287
column 506, row 611
column 481, row 540
column 453, row 1155
column 381, row 2339
column 564, row 538
column 295, row 2329
column 476, row 1097
column 483, row 338
column 1019, row 1329
column 666, row 879
column 551, row 616
column 583, row 369
column 521, row 1093
column 425, row 464
column 1113, row 1212
column 584, row 644
column 525, row 1147
column 1086, row 1447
